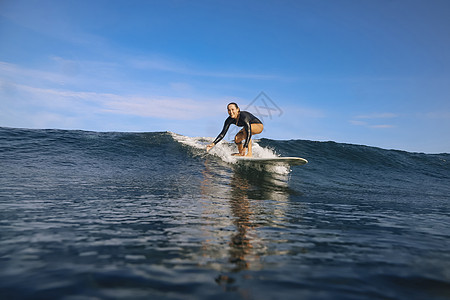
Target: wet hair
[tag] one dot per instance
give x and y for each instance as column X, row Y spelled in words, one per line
column 232, row 103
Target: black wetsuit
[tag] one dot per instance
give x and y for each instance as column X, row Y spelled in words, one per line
column 244, row 119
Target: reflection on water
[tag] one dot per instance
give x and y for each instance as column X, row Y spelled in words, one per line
column 245, row 199
column 241, row 210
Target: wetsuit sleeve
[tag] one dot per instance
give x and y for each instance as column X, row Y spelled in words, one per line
column 221, row 135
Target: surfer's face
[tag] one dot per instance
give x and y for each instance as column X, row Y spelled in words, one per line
column 233, row 111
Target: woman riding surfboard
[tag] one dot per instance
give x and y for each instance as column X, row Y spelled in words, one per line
column 251, row 125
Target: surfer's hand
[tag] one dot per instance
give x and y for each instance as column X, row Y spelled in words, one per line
column 209, row 147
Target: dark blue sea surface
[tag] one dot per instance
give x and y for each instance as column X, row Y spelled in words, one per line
column 88, row 215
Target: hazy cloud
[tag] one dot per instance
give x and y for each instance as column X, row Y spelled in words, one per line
column 73, row 102
column 382, row 126
column 368, row 120
column 377, row 116
column 169, row 65
column 438, row 115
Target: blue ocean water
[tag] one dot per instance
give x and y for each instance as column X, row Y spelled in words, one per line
column 88, row 215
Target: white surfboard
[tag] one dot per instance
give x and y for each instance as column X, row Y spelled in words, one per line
column 292, row 161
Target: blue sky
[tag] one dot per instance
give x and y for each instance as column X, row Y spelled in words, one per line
column 357, row 71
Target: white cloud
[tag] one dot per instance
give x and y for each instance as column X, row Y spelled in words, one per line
column 181, row 87
column 438, row 115
column 358, row 123
column 19, row 84
column 368, row 125
column 15, row 73
column 68, row 92
column 377, row 116
column 72, row 102
column 157, row 107
column 173, row 66
column 303, row 112
column 381, row 126
column 368, row 120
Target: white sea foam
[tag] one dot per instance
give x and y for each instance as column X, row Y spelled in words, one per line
column 224, row 151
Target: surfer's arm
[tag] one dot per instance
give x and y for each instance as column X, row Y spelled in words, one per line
column 222, row 134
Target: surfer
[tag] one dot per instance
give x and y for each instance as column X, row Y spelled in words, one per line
column 251, row 124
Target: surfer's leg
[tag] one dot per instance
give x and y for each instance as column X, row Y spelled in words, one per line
column 249, row 153
column 240, row 136
column 256, row 129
